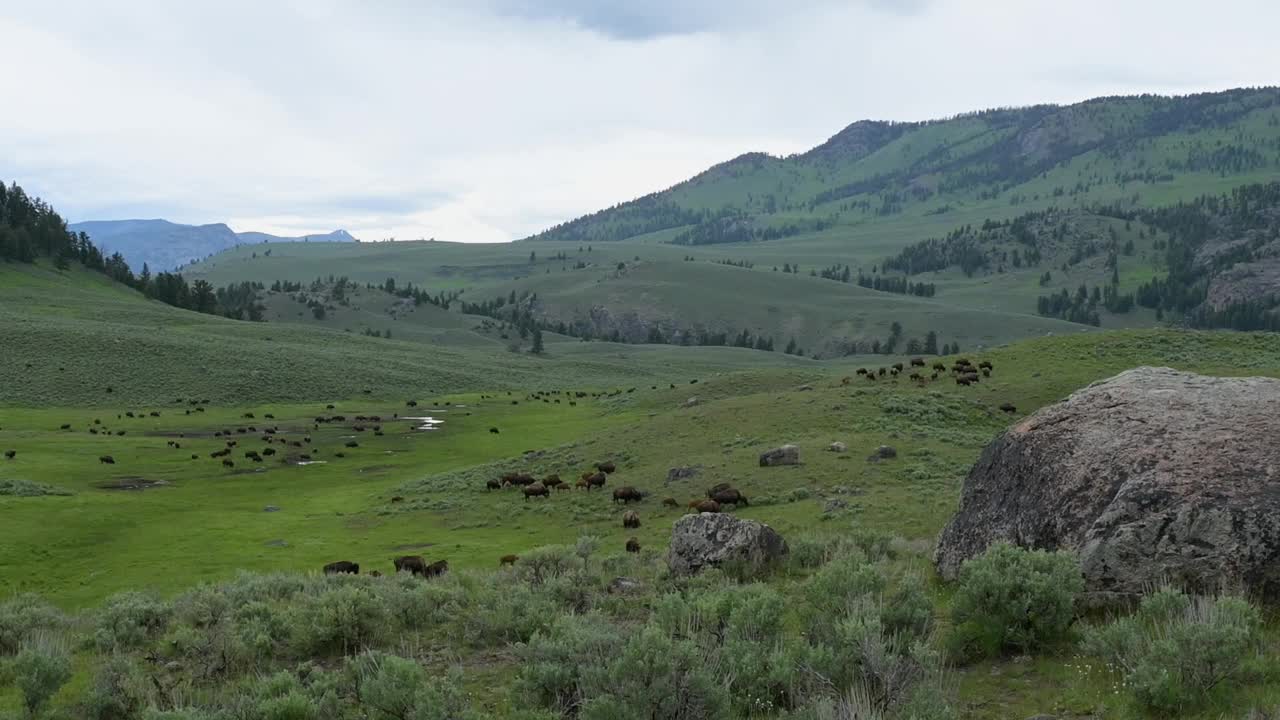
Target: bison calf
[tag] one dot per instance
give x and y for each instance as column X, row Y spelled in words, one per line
column 342, row 567
column 633, row 545
column 630, row 519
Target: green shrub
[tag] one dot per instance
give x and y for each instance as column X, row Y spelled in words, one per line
column 39, row 670
column 25, row 488
column 566, row 664
column 1013, row 599
column 340, row 620
column 657, row 676
column 130, row 621
column 119, row 690
column 23, row 616
column 1176, row 650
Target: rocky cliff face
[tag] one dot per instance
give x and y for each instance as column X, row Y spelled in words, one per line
column 1151, row 476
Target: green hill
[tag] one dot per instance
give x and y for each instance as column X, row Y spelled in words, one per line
column 996, row 220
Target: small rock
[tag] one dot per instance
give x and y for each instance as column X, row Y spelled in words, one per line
column 684, row 472
column 834, row 505
column 837, row 447
column 884, row 452
column 271, row 508
column 624, row 586
column 276, row 543
column 804, row 388
column 785, row 455
column 691, row 401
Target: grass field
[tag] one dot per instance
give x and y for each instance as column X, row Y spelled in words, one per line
column 198, row 521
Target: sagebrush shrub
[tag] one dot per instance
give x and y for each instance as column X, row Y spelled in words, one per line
column 1013, row 599
column 130, row 621
column 339, row 620
column 1175, row 650
column 119, row 690
column 39, row 670
column 23, row 616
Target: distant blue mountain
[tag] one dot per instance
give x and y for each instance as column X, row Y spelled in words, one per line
column 163, row 245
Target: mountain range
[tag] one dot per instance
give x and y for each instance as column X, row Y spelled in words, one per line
column 163, row 245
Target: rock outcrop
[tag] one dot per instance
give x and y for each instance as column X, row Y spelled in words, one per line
column 709, row 539
column 785, row 455
column 1151, row 476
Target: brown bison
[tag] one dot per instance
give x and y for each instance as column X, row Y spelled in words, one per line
column 917, row 362
column 670, row 502
column 730, row 497
column 106, row 460
column 707, row 506
column 940, row 366
column 342, row 567
column 411, row 563
column 630, row 519
column 861, row 371
column 633, row 545
column 536, row 490
column 10, row 454
column 374, row 573
column 552, row 481
column 607, row 467
column 494, row 430
column 227, row 463
column 718, row 487
column 1009, row 408
column 595, row 479
column 897, row 366
column 627, row 494
column 492, row 484
column 437, row 568
column 508, row 560
column 986, row 365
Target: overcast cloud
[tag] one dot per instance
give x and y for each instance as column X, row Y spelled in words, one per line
column 489, row 120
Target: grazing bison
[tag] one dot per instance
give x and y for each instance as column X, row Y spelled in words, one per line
column 66, row 426
column 986, row 372
column 670, row 502
column 508, row 560
column 861, row 371
column 194, row 456
column 881, row 372
column 1009, row 408
column 494, row 430
column 707, row 506
column 342, row 567
column 627, row 494
column 730, row 497
column 552, row 481
column 630, row 520
column 522, row 479
column 962, row 381
column 917, row 362
column 269, row 451
column 607, row 467
column 411, row 563
column 633, row 545
column 871, row 376
column 349, row 443
column 411, row 403
column 986, row 365
column 492, row 484
column 10, row 454
column 536, row 490
column 106, row 460
column 897, row 366
column 227, row 463
column 437, row 568
column 718, row 487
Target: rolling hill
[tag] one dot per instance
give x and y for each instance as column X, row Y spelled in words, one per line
column 164, row 245
column 984, row 228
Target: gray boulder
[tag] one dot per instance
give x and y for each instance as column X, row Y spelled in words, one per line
column 1152, row 476
column 884, row 452
column 709, row 539
column 785, row 455
column 837, row 447
column 684, row 472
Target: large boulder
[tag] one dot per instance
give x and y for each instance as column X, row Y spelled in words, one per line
column 785, row 455
column 709, row 539
column 1151, row 476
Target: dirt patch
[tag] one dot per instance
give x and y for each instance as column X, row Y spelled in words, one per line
column 131, row 482
column 412, row 546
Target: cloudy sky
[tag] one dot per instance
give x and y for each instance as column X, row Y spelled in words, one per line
column 487, row 120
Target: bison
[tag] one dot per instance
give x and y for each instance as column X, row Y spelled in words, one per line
column 410, row 563
column 607, row 467
column 630, row 519
column 730, row 497
column 342, row 567
column 718, row 487
column 437, row 568
column 106, row 460
column 508, row 560
column 707, row 506
column 492, row 484
column 227, row 463
column 986, row 365
column 633, row 545
column 595, row 479
column 536, row 490
column 494, row 430
column 1009, row 408
column 861, row 371
column 552, row 481
column 627, row 494
column 10, row 454
column 917, row 362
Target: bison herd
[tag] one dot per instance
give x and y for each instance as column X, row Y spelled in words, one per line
column 413, row 564
column 963, row 371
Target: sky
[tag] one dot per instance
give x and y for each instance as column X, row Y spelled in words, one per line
column 488, row 120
